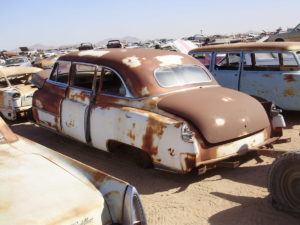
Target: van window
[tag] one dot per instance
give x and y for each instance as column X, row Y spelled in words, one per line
column 60, row 72
column 84, row 76
column 261, row 61
column 289, row 59
column 203, row 57
column 227, row 61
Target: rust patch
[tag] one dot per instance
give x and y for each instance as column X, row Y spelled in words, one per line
column 289, row 78
column 171, row 151
column 154, row 128
column 190, row 161
column 289, row 92
column 131, row 135
column 266, row 75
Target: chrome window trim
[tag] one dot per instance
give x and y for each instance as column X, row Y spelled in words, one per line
column 64, row 85
column 158, row 95
column 180, row 65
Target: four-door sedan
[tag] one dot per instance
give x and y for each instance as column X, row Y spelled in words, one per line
column 268, row 71
column 16, row 90
column 40, row 186
column 164, row 106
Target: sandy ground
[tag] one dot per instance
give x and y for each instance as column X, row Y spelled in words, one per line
column 223, row 196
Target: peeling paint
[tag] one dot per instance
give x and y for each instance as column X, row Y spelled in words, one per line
column 132, row 62
column 169, row 60
column 92, row 53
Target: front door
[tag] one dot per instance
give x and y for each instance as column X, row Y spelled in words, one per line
column 226, row 69
column 47, row 100
column 75, row 108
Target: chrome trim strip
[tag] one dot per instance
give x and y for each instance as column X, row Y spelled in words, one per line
column 64, row 85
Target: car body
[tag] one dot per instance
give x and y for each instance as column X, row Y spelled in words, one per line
column 269, row 70
column 164, row 105
column 293, row 35
column 16, row 91
column 40, row 186
column 18, row 61
column 114, row 44
column 46, row 63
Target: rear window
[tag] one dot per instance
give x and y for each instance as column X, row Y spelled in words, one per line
column 180, row 75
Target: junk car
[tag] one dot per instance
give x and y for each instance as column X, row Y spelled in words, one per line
column 292, row 35
column 18, row 61
column 164, row 106
column 268, row 71
column 40, row 186
column 16, row 91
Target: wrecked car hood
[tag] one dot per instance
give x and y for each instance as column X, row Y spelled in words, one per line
column 17, row 70
column 219, row 114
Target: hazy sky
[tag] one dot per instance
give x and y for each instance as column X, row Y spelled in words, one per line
column 59, row 22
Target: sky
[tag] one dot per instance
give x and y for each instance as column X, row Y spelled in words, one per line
column 63, row 22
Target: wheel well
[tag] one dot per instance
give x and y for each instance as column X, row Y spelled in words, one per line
column 142, row 158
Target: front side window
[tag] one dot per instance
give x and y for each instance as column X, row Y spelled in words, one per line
column 84, row 76
column 227, row 61
column 180, row 75
column 60, row 72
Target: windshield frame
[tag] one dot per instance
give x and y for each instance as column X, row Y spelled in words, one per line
column 182, row 85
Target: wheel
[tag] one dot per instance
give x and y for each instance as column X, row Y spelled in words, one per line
column 284, row 182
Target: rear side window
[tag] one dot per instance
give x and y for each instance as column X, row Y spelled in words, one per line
column 288, row 59
column 110, row 83
column 60, row 72
column 180, row 75
column 84, row 76
column 227, row 61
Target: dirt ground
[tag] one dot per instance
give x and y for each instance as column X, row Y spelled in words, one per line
column 223, row 196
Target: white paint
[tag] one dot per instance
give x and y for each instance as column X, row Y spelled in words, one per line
column 220, row 122
column 46, row 117
column 145, row 91
column 92, row 53
column 132, row 61
column 168, row 60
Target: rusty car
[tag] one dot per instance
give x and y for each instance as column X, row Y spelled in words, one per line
column 165, row 107
column 41, row 186
column 17, row 61
column 16, row 91
column 284, row 181
column 268, row 71
column 292, row 35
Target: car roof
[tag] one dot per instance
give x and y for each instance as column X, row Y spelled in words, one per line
column 136, row 66
column 267, row 46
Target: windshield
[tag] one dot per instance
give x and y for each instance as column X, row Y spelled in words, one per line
column 180, row 75
column 14, row 60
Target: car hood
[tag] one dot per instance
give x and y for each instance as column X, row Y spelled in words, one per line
column 219, row 114
column 34, row 190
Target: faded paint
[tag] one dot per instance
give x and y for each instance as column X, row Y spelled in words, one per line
column 132, row 61
column 93, row 53
column 74, row 193
column 169, row 60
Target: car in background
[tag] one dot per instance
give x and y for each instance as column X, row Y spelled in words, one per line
column 46, row 63
column 40, row 186
column 114, row 44
column 16, row 91
column 18, row 61
column 267, row 71
column 293, row 35
column 163, row 107
column 85, row 46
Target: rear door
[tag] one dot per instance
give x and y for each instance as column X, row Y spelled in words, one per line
column 226, row 68
column 273, row 76
column 75, row 108
column 47, row 100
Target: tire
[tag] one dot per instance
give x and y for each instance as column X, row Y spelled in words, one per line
column 284, row 182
